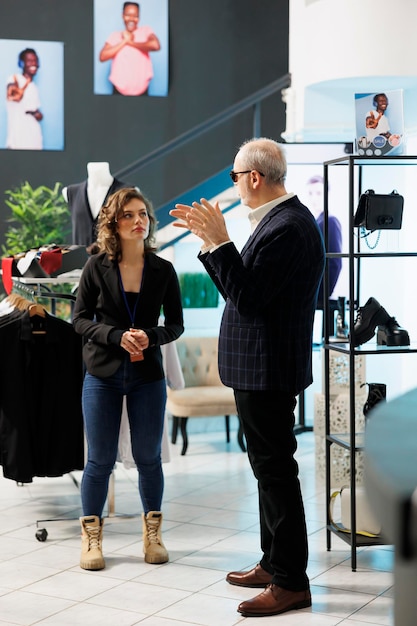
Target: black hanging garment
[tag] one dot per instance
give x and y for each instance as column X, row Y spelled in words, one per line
column 41, row 374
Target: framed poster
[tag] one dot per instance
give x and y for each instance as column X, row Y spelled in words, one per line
column 131, row 48
column 32, row 109
column 379, row 123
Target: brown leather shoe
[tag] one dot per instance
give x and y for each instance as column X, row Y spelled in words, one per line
column 256, row 577
column 275, row 600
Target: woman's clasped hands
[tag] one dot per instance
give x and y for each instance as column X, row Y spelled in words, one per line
column 134, row 341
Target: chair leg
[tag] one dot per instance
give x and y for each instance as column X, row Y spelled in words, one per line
column 240, row 439
column 227, row 420
column 183, row 428
column 175, row 425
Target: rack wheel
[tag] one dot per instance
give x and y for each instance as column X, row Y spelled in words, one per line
column 41, row 534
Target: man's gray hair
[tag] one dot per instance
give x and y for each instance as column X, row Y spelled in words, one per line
column 266, row 156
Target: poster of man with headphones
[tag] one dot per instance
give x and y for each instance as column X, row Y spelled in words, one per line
column 31, row 114
column 380, row 123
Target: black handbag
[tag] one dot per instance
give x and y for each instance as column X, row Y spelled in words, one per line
column 377, row 211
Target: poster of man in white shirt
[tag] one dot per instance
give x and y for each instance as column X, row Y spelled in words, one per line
column 379, row 123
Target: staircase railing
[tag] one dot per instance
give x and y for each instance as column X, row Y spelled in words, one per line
column 254, row 100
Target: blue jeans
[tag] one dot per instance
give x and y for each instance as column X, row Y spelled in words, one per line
column 102, row 401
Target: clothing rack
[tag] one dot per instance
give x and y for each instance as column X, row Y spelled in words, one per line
column 29, row 292
column 39, row 289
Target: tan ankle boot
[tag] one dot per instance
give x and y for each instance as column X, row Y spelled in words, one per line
column 153, row 547
column 91, row 537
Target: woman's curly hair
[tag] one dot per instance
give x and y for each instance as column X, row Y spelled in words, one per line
column 108, row 239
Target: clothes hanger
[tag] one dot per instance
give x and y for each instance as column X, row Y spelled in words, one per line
column 19, row 302
column 36, row 309
column 37, row 313
column 23, row 304
column 37, row 316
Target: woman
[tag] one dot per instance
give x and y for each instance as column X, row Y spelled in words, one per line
column 120, row 296
column 128, row 50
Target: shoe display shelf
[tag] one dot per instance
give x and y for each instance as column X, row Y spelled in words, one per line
column 339, row 418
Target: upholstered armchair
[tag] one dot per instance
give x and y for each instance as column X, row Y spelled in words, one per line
column 204, row 395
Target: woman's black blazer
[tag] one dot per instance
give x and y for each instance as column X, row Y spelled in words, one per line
column 101, row 314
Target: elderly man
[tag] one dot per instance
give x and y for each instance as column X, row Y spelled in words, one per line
column 265, row 347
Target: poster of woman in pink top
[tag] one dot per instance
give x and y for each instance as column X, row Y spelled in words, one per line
column 131, row 61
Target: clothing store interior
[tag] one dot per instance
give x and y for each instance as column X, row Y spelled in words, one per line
column 190, row 541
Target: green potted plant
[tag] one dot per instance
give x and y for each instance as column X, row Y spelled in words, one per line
column 40, row 216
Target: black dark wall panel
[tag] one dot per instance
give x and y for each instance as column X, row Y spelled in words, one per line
column 220, row 52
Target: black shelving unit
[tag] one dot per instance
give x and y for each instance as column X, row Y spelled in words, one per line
column 352, row 440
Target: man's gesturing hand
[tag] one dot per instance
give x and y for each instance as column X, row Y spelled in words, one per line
column 204, row 220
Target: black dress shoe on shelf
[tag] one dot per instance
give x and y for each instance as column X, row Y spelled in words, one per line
column 369, row 316
column 256, row 577
column 391, row 334
column 275, row 600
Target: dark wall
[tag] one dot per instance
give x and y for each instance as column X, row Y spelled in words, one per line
column 220, row 52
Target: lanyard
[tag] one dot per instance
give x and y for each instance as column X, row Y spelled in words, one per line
column 132, row 313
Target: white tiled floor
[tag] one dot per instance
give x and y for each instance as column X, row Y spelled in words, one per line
column 210, row 527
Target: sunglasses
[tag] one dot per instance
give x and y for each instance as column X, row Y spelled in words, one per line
column 233, row 175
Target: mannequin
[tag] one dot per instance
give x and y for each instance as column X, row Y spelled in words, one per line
column 86, row 199
column 99, row 181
